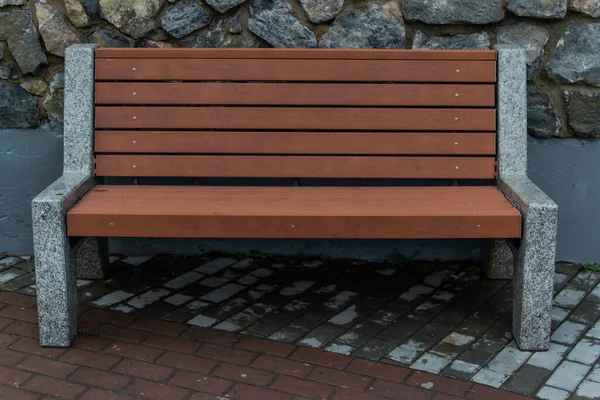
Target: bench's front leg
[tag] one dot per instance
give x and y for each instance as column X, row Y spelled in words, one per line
column 498, row 260
column 534, row 263
column 54, row 267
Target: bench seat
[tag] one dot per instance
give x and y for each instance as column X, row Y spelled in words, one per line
column 294, row 212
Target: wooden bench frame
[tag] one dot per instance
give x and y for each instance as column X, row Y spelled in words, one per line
column 529, row 261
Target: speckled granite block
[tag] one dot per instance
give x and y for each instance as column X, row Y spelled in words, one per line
column 499, row 261
column 54, row 269
column 91, row 258
column 534, row 263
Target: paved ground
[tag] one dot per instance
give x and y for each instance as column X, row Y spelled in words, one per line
column 443, row 319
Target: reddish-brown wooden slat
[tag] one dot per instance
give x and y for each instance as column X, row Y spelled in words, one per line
column 323, row 94
column 295, row 212
column 426, row 119
column 296, row 70
column 353, row 54
column 296, row 166
column 425, row 143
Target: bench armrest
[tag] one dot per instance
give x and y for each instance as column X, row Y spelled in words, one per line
column 525, row 195
column 63, row 193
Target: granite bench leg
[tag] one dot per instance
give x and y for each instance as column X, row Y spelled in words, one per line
column 90, row 255
column 498, row 260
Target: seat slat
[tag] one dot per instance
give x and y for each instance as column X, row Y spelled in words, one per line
column 353, row 54
column 296, row 70
column 428, row 119
column 203, row 142
column 296, row 166
column 294, row 212
column 324, row 94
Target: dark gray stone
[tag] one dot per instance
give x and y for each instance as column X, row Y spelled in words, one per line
column 18, row 109
column 216, row 37
column 55, row 97
column 185, row 17
column 374, row 350
column 374, row 27
column 541, row 118
column 105, row 38
column 224, row 5
column 272, row 21
column 576, row 58
column 319, row 11
column 90, row 6
column 10, row 3
column 527, row 380
column 546, row 9
column 587, row 312
column 450, row 42
column 532, row 38
column 587, row 7
column 18, row 28
column 5, row 72
column 583, row 115
column 234, row 24
column 454, row 11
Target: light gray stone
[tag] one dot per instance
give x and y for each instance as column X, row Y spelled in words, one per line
column 19, row 30
column 549, row 359
column 55, row 31
column 273, row 21
column 586, row 351
column 532, row 38
column 54, row 100
column 542, row 121
column 224, row 5
column 4, row 3
column 588, row 7
column 105, row 38
column 454, row 11
column 319, row 11
column 91, row 258
column 582, row 112
column 431, row 363
column 184, row 17
column 546, row 9
column 112, row 298
column 551, row 393
column 569, row 298
column 451, row 42
column 500, row 260
column 512, row 110
column 76, row 13
column 374, row 27
column 588, row 390
column 214, row 266
column 568, row 375
column 568, row 332
column 133, row 17
column 183, row 280
column 18, row 109
column 576, row 58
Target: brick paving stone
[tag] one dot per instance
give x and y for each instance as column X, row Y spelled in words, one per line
column 282, row 366
column 186, row 362
column 587, row 390
column 103, row 379
column 300, row 387
column 244, row 374
column 568, row 375
column 236, row 322
column 501, row 367
column 289, row 334
column 246, row 392
column 265, row 346
column 340, row 379
column 549, row 359
column 407, row 352
column 439, row 383
column 130, row 350
column 569, row 297
column 567, row 268
column 377, row 370
column 594, row 294
column 527, row 380
column 221, row 353
column 339, row 348
column 586, row 312
column 54, row 387
column 13, row 377
column 374, row 350
column 431, row 363
column 401, row 330
column 203, row 383
column 595, row 374
column 585, row 280
column 453, row 344
column 587, row 351
column 318, row 357
column 16, row 394
column 321, row 335
column 361, row 333
column 559, row 314
column 44, row 366
column 568, row 332
column 143, row 370
column 551, row 393
column 89, row 359
column 398, row 391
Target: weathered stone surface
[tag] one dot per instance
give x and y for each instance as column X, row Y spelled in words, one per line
column 234, row 24
column 184, row 17
column 18, row 109
column 90, row 6
column 18, row 28
column 322, row 10
column 54, row 29
column 451, row 42
column 546, row 9
column 105, row 38
column 272, row 21
column 224, row 5
column 10, row 3
column 541, row 118
column 583, row 113
column 54, row 100
column 454, row 11
column 374, row 27
column 37, row 87
column 577, row 55
column 532, row 38
column 588, row 7
column 76, row 13
column 216, row 36
column 134, row 17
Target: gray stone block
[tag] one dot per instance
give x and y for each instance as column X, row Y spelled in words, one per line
column 499, row 262
column 91, row 258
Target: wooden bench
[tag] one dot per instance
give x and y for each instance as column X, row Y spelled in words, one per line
column 456, row 120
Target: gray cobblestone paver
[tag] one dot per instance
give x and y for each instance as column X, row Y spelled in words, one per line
column 440, row 318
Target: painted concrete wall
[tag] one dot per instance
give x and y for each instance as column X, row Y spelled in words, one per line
column 567, row 169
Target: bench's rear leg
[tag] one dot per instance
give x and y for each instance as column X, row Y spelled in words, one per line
column 533, row 286
column 499, row 260
column 55, row 276
column 90, row 255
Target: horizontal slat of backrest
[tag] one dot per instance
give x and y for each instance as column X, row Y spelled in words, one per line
column 327, row 54
column 296, row 166
column 296, row 70
column 324, row 94
column 261, row 142
column 447, row 119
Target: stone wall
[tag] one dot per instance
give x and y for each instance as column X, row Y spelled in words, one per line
column 561, row 38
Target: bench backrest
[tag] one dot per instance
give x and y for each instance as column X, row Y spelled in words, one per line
column 285, row 113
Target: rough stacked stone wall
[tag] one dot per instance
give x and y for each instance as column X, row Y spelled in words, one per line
column 561, row 38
